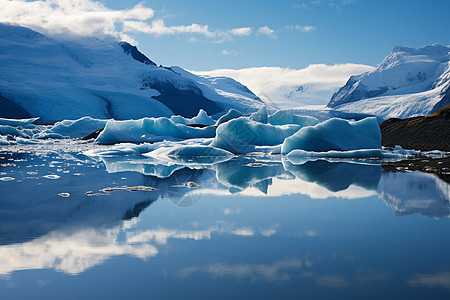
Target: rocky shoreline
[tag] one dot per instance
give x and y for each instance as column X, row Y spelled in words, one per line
column 420, row 133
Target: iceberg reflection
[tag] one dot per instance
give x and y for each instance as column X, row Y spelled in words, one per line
column 415, row 193
column 41, row 230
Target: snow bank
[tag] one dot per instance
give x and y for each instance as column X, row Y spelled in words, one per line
column 150, row 130
column 242, row 135
column 337, row 135
column 283, row 117
column 73, row 128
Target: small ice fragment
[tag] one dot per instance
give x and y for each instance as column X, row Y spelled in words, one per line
column 65, row 195
column 256, row 165
column 140, row 188
column 7, row 178
column 191, row 184
column 51, row 176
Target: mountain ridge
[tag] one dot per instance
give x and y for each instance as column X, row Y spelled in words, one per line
column 412, row 81
column 69, row 79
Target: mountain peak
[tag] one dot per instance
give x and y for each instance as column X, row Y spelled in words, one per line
column 408, row 82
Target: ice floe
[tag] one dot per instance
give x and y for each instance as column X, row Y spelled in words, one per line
column 281, row 133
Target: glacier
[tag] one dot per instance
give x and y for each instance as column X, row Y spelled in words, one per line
column 60, row 80
column 409, row 82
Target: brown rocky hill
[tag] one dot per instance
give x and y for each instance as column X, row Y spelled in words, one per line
column 421, row 133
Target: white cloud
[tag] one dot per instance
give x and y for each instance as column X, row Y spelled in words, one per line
column 281, row 85
column 301, row 5
column 243, row 31
column 92, row 18
column 266, row 31
column 304, row 28
column 307, row 5
column 229, row 52
column 62, row 17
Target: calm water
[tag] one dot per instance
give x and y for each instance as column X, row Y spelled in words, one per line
column 254, row 228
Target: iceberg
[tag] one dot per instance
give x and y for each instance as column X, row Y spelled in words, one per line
column 230, row 115
column 335, row 135
column 73, row 128
column 242, row 135
column 150, row 130
column 260, row 116
column 202, row 118
column 10, row 130
column 25, row 123
column 287, row 116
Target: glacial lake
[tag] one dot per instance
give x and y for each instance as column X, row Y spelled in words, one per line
column 74, row 227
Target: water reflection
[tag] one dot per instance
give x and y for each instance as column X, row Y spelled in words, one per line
column 406, row 193
column 41, row 230
column 415, row 193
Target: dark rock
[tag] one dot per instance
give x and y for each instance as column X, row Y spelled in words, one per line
column 93, row 135
column 135, row 53
column 421, row 133
column 197, row 125
column 438, row 166
column 185, row 102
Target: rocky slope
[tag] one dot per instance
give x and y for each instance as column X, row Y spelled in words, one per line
column 421, row 133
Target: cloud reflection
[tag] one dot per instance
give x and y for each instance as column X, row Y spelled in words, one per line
column 436, row 280
column 267, row 272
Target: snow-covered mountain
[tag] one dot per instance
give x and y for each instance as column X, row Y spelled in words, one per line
column 287, row 88
column 69, row 79
column 408, row 82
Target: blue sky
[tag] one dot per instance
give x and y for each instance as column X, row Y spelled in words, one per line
column 358, row 31
column 208, row 35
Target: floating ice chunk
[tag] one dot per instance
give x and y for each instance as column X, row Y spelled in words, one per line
column 242, row 135
column 7, row 140
column 398, row 149
column 335, row 134
column 202, row 118
column 7, row 129
column 7, row 178
column 260, row 116
column 51, row 176
column 141, row 164
column 198, row 151
column 150, row 130
column 230, row 115
column 73, row 128
column 192, row 155
column 376, row 153
column 18, row 122
column 283, row 117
